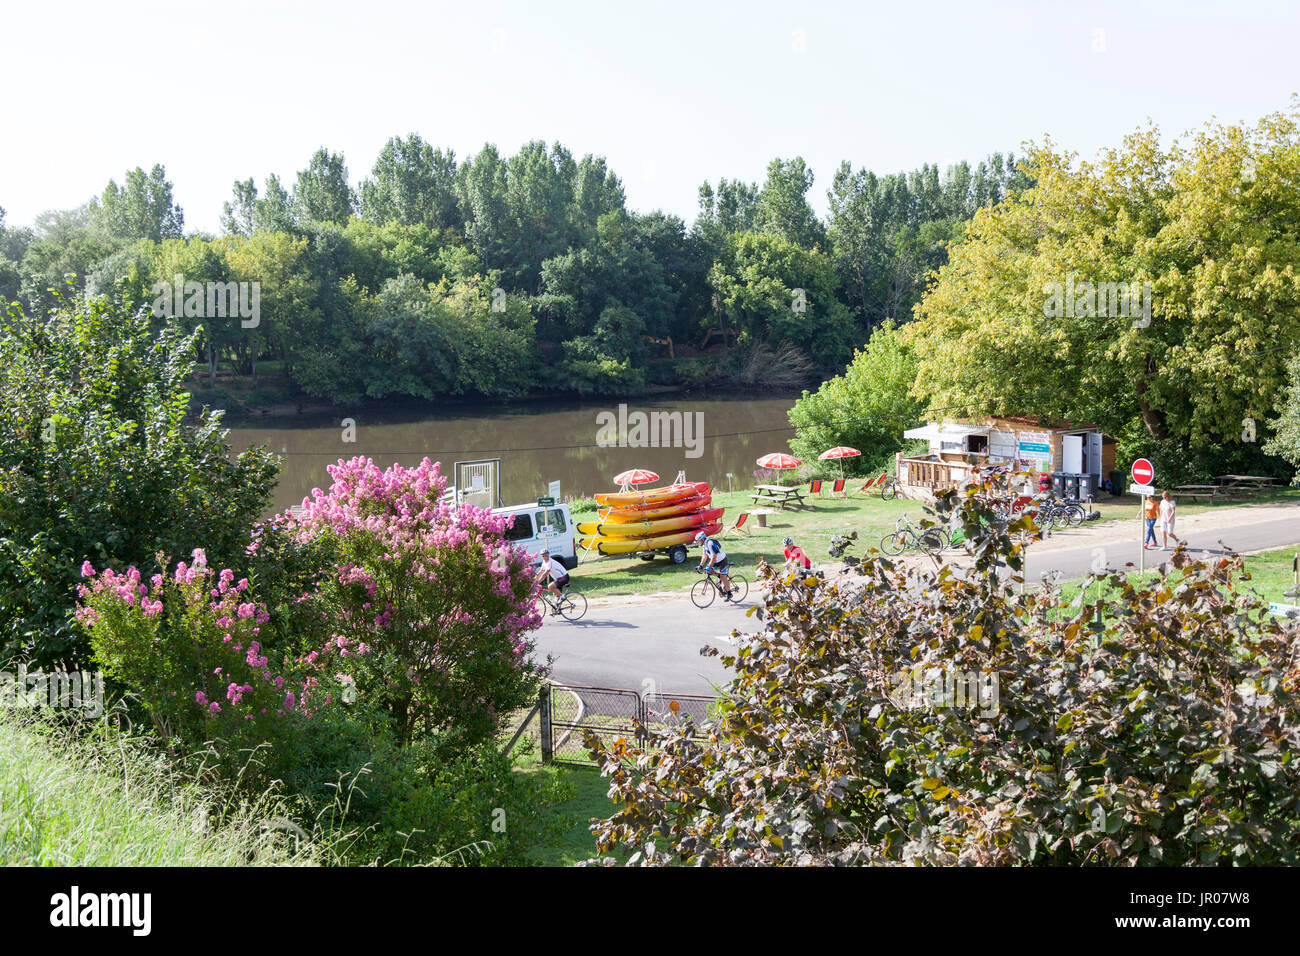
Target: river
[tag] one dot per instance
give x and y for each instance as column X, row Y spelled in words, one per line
column 580, row 444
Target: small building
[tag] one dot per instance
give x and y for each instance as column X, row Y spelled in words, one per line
column 1029, row 445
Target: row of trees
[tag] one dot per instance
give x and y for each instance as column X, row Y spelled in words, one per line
column 366, row 290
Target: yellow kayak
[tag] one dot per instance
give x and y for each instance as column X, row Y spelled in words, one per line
column 618, row 545
column 642, row 528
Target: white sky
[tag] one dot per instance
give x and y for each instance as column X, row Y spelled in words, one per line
column 671, row 93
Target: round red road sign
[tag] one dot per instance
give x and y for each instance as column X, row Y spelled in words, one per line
column 1143, row 472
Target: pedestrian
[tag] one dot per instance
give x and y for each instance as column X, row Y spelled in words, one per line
column 1150, row 511
column 1167, row 506
column 794, row 555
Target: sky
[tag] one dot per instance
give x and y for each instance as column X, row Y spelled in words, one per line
column 672, row 94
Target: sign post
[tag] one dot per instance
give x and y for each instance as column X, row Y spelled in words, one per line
column 1143, row 473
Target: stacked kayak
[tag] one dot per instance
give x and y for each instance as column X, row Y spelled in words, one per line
column 651, row 520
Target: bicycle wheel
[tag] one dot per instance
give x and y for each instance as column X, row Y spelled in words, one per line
column 888, row 492
column 1076, row 514
column 739, row 587
column 893, row 543
column 573, row 606
column 930, row 541
column 702, row 593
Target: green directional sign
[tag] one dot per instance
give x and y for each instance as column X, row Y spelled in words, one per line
column 545, row 502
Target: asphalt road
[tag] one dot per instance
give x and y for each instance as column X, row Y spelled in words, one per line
column 653, row 645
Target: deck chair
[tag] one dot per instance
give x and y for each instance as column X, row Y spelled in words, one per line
column 815, row 487
column 838, row 487
column 738, row 528
column 872, row 483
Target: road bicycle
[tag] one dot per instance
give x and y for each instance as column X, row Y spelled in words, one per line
column 570, row 605
column 908, row 537
column 710, row 586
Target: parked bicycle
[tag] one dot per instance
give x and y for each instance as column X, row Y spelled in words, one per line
column 571, row 605
column 1056, row 514
column 889, row 490
column 710, row 586
column 908, row 537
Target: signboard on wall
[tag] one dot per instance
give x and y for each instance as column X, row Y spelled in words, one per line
column 1036, row 447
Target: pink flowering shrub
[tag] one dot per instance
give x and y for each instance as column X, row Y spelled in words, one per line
column 430, row 606
column 190, row 645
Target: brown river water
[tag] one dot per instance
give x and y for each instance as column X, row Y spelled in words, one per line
column 580, row 444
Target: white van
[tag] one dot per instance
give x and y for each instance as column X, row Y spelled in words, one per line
column 536, row 528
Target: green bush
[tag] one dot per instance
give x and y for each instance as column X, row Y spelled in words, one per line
column 98, row 462
column 973, row 724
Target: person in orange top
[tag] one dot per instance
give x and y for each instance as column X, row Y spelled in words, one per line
column 1150, row 511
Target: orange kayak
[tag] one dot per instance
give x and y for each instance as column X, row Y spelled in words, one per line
column 642, row 528
column 630, row 515
column 653, row 497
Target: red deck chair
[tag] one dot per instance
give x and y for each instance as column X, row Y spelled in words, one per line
column 815, row 487
column 872, row 483
column 738, row 528
column 838, row 487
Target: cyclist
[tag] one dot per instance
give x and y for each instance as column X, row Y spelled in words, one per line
column 794, row 555
column 713, row 557
column 557, row 572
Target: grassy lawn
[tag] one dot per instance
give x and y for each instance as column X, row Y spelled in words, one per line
column 1270, row 575
column 812, row 529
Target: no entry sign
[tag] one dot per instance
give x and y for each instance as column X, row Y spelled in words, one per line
column 1143, row 472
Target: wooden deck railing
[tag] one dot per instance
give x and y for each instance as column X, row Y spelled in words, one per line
column 934, row 475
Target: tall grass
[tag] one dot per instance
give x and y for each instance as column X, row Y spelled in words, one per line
column 104, row 798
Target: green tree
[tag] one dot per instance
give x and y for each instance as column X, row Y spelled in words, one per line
column 413, row 184
column 1285, row 442
column 140, row 209
column 783, row 208
column 246, row 213
column 868, row 407
column 769, row 289
column 322, row 193
column 99, row 463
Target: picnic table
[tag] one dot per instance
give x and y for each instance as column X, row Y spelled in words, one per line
column 779, row 495
column 1247, row 482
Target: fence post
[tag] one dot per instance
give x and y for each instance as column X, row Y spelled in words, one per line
column 544, row 718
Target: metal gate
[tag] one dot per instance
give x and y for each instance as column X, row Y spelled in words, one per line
column 567, row 712
column 478, row 483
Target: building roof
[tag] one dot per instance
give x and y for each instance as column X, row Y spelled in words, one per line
column 1043, row 421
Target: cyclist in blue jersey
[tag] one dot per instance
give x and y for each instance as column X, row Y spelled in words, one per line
column 712, row 556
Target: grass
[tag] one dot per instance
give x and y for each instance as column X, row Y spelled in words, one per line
column 812, row 529
column 101, row 799
column 1270, row 575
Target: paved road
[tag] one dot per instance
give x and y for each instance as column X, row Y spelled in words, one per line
column 659, row 640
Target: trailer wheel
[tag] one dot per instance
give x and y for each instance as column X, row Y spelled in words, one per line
column 677, row 554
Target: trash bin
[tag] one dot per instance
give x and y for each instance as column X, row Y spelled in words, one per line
column 1058, row 484
column 1072, row 487
column 1117, row 482
column 1044, row 482
column 1088, row 485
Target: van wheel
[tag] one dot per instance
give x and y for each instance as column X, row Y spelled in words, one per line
column 677, row 554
